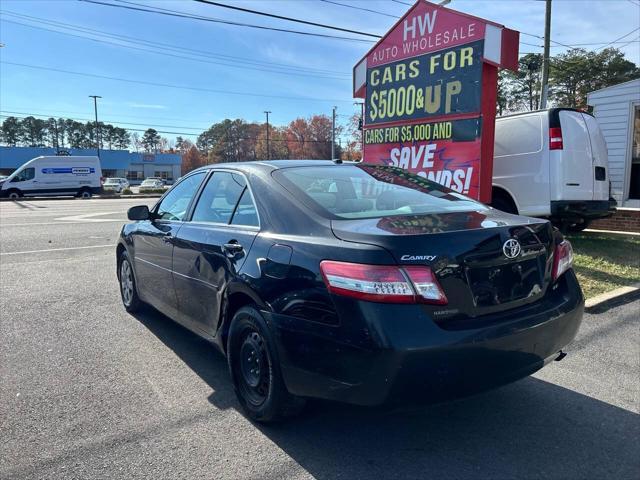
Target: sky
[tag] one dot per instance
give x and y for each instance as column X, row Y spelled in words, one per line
column 233, row 71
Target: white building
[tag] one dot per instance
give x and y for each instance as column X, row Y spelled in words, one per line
column 617, row 110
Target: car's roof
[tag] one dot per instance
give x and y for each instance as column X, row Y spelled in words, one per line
column 270, row 165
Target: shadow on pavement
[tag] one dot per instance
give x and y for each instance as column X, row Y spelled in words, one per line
column 529, row 429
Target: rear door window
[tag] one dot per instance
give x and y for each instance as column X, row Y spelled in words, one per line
column 246, row 213
column 219, row 198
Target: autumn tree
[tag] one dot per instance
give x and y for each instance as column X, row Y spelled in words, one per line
column 192, row 159
column 311, row 138
column 353, row 148
column 278, row 148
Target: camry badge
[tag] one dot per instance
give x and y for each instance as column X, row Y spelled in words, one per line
column 511, row 248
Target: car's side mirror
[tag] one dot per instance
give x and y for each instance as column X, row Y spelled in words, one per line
column 139, row 212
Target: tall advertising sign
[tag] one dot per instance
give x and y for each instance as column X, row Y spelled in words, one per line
column 429, row 88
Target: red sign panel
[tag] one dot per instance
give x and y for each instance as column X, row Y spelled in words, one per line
column 446, row 152
column 426, row 28
column 429, row 87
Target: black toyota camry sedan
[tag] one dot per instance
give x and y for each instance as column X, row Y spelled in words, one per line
column 351, row 282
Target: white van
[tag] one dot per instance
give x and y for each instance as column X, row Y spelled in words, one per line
column 51, row 176
column 552, row 163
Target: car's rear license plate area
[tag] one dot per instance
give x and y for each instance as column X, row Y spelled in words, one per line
column 499, row 284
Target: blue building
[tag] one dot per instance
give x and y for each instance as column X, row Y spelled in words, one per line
column 135, row 167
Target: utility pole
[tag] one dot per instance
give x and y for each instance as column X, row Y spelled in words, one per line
column 267, row 112
column 545, row 59
column 95, row 109
column 333, row 134
column 55, row 126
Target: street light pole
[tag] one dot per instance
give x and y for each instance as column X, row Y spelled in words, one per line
column 545, row 60
column 95, row 109
column 267, row 112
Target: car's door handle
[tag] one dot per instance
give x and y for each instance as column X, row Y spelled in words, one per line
column 232, row 248
column 167, row 237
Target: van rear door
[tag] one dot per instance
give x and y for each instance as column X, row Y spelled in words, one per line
column 599, row 158
column 575, row 181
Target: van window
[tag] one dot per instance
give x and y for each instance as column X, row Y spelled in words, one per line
column 26, row 174
column 518, row 136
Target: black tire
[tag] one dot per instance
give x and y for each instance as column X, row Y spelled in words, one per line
column 578, row 227
column 255, row 370
column 14, row 194
column 499, row 202
column 85, row 193
column 127, row 283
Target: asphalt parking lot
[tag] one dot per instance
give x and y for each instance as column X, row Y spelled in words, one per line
column 88, row 391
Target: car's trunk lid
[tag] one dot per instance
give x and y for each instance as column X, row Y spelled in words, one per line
column 467, row 252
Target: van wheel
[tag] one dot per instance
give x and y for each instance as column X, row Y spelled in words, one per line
column 14, row 194
column 84, row 193
column 578, row 227
column 255, row 370
column 500, row 202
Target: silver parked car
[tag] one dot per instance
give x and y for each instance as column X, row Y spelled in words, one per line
column 115, row 184
column 151, row 184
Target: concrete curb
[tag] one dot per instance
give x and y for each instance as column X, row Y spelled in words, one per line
column 610, row 232
column 604, row 301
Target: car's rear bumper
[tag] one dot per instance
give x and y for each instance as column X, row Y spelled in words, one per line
column 582, row 209
column 405, row 356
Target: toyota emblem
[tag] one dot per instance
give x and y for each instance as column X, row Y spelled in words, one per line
column 511, row 248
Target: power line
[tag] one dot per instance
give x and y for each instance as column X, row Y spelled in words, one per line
column 167, row 54
column 593, row 43
column 360, row 8
column 224, row 57
column 173, row 13
column 288, row 19
column 104, row 120
column 167, row 85
column 620, row 38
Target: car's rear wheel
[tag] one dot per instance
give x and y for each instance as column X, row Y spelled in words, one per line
column 255, row 370
column 128, row 290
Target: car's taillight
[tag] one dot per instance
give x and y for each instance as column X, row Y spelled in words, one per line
column 555, row 138
column 426, row 285
column 562, row 259
column 382, row 283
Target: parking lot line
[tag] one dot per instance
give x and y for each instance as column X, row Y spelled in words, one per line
column 58, row 249
column 57, row 222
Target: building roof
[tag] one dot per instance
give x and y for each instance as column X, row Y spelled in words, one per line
column 630, row 83
column 13, row 157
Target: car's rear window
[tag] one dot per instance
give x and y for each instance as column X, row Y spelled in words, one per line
column 370, row 191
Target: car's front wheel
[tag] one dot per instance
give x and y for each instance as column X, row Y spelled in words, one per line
column 255, row 369
column 128, row 290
